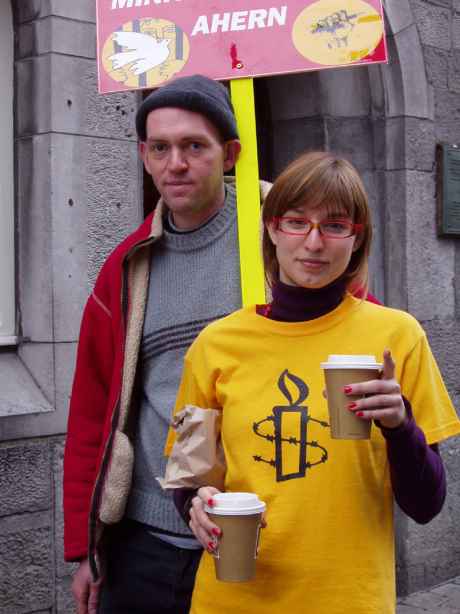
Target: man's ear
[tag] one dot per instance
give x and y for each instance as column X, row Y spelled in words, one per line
column 231, row 152
column 143, row 155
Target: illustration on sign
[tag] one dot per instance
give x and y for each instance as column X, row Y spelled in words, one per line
column 145, row 52
column 144, row 43
column 329, row 34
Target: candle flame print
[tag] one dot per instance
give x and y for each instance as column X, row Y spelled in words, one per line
column 290, row 424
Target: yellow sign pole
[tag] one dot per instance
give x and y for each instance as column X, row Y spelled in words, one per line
column 248, row 194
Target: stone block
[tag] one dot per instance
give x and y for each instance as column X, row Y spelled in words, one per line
column 34, row 240
column 454, row 71
column 345, row 92
column 38, row 359
column 113, row 197
column 292, row 137
column 409, row 143
column 352, row 139
column 33, row 101
column 447, row 121
column 294, row 96
column 372, row 182
column 433, row 551
column 65, row 367
column 430, row 260
column 444, row 337
column 26, row 564
column 49, row 101
column 377, row 90
column 19, row 393
column 69, row 222
column 27, row 10
column 398, row 15
column 456, row 32
column 69, row 257
column 63, row 569
column 395, row 239
column 25, row 478
column 437, row 66
column 433, row 23
column 406, row 609
column 56, row 35
column 457, row 280
column 407, row 90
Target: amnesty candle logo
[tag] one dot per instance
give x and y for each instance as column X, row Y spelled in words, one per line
column 145, row 52
column 337, row 32
column 289, row 433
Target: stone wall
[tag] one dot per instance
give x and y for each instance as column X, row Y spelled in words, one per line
column 431, row 554
column 77, row 194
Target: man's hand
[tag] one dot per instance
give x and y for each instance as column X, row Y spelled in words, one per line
column 85, row 591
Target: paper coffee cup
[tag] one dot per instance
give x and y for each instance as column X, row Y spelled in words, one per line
column 238, row 515
column 340, row 370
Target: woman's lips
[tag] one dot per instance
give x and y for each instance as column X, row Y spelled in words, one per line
column 312, row 264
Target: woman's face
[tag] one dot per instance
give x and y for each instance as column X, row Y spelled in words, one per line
column 311, row 261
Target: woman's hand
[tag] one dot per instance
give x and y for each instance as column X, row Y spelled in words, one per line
column 383, row 400
column 205, row 531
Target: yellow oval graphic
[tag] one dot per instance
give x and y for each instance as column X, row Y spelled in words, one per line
column 335, row 32
column 145, row 52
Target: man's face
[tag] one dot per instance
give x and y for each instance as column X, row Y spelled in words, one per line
column 186, row 158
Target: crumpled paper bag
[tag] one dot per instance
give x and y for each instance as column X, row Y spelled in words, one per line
column 197, row 456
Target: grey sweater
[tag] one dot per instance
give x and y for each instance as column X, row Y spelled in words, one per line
column 194, row 279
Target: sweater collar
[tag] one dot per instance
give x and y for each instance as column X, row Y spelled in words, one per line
column 207, row 232
column 296, row 304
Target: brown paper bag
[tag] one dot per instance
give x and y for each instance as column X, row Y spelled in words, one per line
column 197, row 457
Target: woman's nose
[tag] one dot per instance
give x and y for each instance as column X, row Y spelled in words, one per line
column 314, row 240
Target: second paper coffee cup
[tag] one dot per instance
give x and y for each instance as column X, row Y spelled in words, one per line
column 239, row 516
column 340, row 370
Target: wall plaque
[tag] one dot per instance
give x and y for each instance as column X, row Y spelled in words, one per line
column 448, row 190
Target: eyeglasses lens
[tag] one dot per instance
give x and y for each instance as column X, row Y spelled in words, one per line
column 328, row 228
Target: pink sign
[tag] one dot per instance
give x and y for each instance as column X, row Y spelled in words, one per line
column 144, row 43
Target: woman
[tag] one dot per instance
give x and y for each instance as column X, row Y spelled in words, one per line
column 328, row 547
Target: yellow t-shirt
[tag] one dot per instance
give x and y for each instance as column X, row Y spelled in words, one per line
column 328, row 547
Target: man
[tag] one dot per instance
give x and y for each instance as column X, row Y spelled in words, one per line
column 156, row 291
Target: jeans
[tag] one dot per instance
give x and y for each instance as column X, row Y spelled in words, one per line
column 145, row 575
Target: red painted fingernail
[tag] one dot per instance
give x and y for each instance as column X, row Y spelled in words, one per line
column 360, row 414
column 210, row 546
column 352, row 406
column 347, row 389
column 216, row 532
column 210, row 502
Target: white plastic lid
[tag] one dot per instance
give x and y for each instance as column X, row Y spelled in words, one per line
column 235, row 504
column 351, row 361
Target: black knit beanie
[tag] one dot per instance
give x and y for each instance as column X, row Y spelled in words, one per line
column 195, row 93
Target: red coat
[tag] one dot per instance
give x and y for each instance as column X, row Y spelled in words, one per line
column 97, row 389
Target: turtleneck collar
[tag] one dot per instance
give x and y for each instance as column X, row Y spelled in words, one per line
column 296, row 304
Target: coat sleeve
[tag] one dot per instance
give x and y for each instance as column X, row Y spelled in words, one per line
column 89, row 405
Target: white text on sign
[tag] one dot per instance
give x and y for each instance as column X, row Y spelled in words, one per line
column 240, row 20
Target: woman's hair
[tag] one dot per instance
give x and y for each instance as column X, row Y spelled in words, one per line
column 315, row 179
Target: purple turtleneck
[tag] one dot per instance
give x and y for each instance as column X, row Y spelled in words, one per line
column 416, row 469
